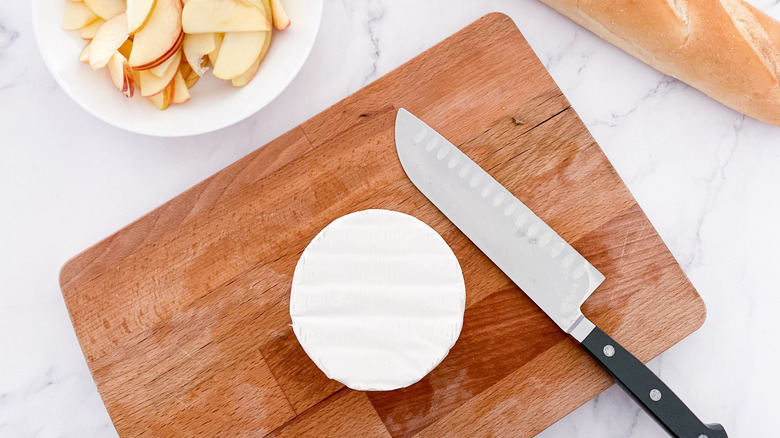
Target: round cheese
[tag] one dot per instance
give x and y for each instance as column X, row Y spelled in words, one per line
column 377, row 300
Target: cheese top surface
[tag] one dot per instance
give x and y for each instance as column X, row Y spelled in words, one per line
column 377, row 300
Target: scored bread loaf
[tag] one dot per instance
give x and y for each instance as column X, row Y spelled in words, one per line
column 727, row 49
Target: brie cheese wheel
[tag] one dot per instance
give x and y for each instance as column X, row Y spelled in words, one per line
column 377, row 300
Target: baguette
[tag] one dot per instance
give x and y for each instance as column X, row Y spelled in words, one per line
column 725, row 48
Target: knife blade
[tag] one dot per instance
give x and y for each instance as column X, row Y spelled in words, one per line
column 547, row 269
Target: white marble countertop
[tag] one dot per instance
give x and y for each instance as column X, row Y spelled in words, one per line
column 707, row 177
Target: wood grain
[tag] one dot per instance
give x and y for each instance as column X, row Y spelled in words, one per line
column 183, row 315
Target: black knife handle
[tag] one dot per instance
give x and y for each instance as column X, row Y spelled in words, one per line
column 647, row 389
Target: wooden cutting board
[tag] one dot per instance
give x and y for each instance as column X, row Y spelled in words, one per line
column 183, row 315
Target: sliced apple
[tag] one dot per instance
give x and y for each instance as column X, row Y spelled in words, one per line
column 162, row 99
column 160, row 38
column 138, row 13
column 77, row 15
column 151, row 84
column 185, row 70
column 245, row 77
column 126, row 48
column 261, row 4
column 266, row 45
column 121, row 75
column 84, row 55
column 130, row 81
column 204, row 16
column 248, row 75
column 218, row 44
column 136, row 76
column 116, row 71
column 160, row 70
column 180, row 92
column 192, row 80
column 108, row 39
column 190, row 77
column 89, row 31
column 196, row 46
column 165, row 56
column 281, row 21
column 158, row 100
column 266, row 5
column 106, row 9
column 237, row 53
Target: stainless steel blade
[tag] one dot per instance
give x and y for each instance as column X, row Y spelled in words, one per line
column 552, row 273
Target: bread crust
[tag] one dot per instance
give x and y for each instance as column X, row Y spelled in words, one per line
column 727, row 49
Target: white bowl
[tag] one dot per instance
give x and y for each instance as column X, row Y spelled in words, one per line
column 215, row 103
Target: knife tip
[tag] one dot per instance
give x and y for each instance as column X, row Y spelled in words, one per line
column 403, row 115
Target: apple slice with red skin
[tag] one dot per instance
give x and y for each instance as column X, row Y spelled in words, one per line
column 160, row 70
column 160, row 38
column 180, row 92
column 151, row 84
column 121, row 74
column 162, row 99
column 281, row 21
column 165, row 57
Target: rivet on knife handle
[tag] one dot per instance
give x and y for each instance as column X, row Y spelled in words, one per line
column 647, row 389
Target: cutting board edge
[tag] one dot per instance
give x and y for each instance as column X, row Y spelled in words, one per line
column 69, row 263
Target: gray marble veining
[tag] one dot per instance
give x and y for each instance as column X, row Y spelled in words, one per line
column 706, row 176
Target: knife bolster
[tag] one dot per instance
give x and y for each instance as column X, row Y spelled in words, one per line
column 581, row 328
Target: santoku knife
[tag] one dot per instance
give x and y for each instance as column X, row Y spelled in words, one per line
column 552, row 273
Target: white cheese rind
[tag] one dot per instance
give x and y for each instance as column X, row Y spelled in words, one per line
column 377, row 300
